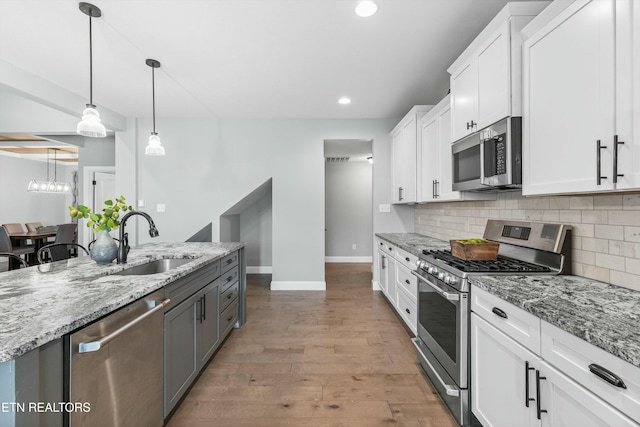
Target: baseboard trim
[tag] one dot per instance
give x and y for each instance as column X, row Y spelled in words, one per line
column 354, row 259
column 259, row 269
column 298, row 286
column 375, row 285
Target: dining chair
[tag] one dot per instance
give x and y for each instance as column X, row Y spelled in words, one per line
column 13, row 228
column 66, row 233
column 6, row 246
column 15, row 259
column 33, row 226
column 57, row 252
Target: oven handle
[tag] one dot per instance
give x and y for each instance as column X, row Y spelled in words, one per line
column 451, row 390
column 447, row 295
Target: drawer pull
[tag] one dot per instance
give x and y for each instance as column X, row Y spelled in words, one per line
column 229, row 296
column 407, row 281
column 407, row 259
column 381, row 244
column 499, row 312
column 229, row 278
column 230, row 260
column 527, row 399
column 229, row 319
column 407, row 310
column 607, row 375
column 390, row 249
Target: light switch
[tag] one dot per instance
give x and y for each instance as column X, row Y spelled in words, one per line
column 385, row 208
column 160, row 207
column 141, row 203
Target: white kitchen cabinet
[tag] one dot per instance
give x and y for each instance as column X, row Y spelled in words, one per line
column 404, row 139
column 503, row 378
column 382, row 270
column 506, row 375
column 435, row 182
column 486, row 78
column 580, row 98
column 392, row 292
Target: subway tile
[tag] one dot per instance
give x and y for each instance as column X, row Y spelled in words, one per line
column 595, row 245
column 582, row 203
column 612, row 232
column 577, row 268
column 518, row 215
column 630, row 281
column 612, row 262
column 628, row 217
column 633, row 266
column 584, row 257
column 576, row 242
column 551, row 215
column 559, row 203
column 625, row 249
column 534, row 215
column 596, row 273
column 594, row 217
column 584, row 230
column 609, row 202
column 570, row 216
column 631, row 201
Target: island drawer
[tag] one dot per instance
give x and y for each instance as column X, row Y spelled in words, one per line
column 227, row 296
column 229, row 278
column 229, row 261
column 188, row 285
column 228, row 318
column 591, row 366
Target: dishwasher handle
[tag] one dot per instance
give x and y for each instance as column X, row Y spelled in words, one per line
column 88, row 347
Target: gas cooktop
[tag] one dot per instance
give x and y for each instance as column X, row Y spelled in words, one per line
column 503, row 264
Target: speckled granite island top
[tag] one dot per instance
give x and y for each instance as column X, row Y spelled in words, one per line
column 414, row 243
column 40, row 304
column 604, row 315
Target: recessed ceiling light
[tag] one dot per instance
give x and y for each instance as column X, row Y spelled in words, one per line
column 366, row 8
column 344, row 100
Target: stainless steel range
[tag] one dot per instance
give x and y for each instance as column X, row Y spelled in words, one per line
column 443, row 299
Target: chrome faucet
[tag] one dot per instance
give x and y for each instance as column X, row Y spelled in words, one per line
column 123, row 249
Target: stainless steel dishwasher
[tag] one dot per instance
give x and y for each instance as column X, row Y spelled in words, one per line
column 116, row 367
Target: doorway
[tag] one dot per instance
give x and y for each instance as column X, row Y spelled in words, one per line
column 99, row 185
column 348, row 200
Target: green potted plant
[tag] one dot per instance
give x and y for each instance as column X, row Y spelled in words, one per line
column 104, row 249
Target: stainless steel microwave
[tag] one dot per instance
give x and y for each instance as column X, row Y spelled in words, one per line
column 490, row 159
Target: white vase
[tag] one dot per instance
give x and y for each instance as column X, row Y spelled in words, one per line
column 104, row 250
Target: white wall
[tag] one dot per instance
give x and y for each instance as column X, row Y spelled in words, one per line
column 348, row 210
column 255, row 224
column 212, row 164
column 19, row 205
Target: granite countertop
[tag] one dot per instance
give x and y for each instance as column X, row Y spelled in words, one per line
column 43, row 303
column 414, row 243
column 604, row 315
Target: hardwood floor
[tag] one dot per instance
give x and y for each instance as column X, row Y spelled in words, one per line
column 334, row 358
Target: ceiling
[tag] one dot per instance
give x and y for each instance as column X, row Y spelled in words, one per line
column 270, row 59
column 36, row 148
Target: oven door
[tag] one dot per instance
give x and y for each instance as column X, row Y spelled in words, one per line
column 443, row 326
column 466, row 166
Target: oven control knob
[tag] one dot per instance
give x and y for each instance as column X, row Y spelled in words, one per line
column 431, row 269
column 441, row 275
column 446, row 279
column 452, row 280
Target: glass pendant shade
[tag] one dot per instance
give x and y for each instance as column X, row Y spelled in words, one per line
column 154, row 148
column 90, row 125
column 47, row 186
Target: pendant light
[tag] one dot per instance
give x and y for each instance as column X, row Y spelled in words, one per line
column 90, row 124
column 50, row 186
column 154, row 148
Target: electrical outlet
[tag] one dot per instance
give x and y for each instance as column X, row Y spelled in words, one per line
column 353, row 247
column 385, row 208
column 160, row 207
column 141, row 203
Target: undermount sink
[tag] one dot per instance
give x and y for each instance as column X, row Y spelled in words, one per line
column 153, row 267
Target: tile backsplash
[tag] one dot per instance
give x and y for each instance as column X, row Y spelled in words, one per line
column 605, row 235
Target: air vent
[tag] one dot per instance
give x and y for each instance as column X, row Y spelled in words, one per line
column 337, row 159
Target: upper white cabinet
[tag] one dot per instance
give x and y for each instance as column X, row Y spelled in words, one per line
column 581, row 99
column 434, row 158
column 404, row 139
column 486, row 78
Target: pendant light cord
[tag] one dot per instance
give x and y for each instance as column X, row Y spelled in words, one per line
column 153, row 96
column 48, row 164
column 55, row 165
column 90, row 63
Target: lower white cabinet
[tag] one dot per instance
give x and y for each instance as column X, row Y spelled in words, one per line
column 392, row 285
column 514, row 386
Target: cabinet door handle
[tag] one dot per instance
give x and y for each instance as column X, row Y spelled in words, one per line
column 433, row 189
column 384, row 258
column 400, row 189
column 527, row 399
column 437, row 189
column 539, row 411
column 204, row 307
column 616, row 175
column 407, row 310
column 471, row 124
column 607, row 375
column 498, row 312
column 599, row 176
